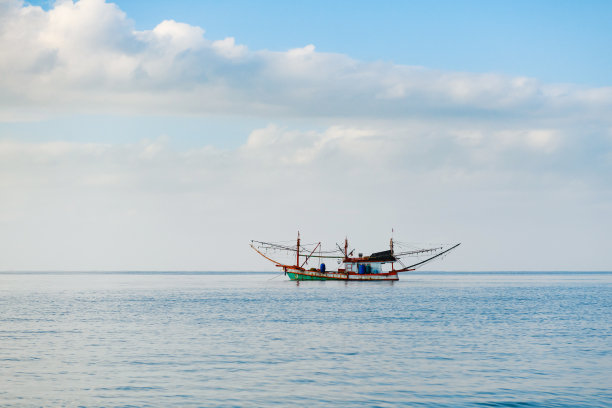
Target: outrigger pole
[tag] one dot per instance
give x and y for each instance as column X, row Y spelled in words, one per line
column 308, row 257
column 411, row 267
column 269, row 259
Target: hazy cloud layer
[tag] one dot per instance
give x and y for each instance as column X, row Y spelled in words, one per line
column 148, row 206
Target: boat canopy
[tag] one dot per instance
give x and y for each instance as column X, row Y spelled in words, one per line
column 382, row 256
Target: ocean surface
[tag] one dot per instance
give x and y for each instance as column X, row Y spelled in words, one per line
column 254, row 339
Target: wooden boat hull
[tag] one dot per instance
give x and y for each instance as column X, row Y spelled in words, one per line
column 302, row 275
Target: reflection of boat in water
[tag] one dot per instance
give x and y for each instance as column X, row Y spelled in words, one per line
column 379, row 266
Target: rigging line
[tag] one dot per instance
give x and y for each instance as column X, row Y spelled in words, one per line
column 325, row 256
column 303, row 249
column 418, row 251
column 268, row 245
column 279, row 244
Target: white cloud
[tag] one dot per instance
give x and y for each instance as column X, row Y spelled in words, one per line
column 87, row 56
column 228, row 48
column 177, row 37
column 296, row 147
column 543, row 139
column 302, row 53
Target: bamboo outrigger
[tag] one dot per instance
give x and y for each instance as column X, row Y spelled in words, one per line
column 379, row 266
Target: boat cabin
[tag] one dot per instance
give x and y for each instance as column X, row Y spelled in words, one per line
column 372, row 264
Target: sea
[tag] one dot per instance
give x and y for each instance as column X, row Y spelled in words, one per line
column 431, row 339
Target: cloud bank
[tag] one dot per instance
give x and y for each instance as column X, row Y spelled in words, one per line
column 518, row 168
column 87, row 55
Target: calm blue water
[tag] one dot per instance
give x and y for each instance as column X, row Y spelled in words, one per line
column 446, row 339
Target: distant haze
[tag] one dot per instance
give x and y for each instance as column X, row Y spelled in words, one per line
column 161, row 148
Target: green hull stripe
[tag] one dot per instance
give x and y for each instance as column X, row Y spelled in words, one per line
column 295, row 276
column 300, row 277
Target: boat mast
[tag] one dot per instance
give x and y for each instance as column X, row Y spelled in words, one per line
column 297, row 259
column 345, row 248
column 391, row 247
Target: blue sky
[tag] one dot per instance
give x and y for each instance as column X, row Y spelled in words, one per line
column 555, row 41
column 166, row 135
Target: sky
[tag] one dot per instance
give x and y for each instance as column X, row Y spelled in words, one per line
column 166, row 135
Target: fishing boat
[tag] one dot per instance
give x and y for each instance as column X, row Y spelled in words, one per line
column 379, row 266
